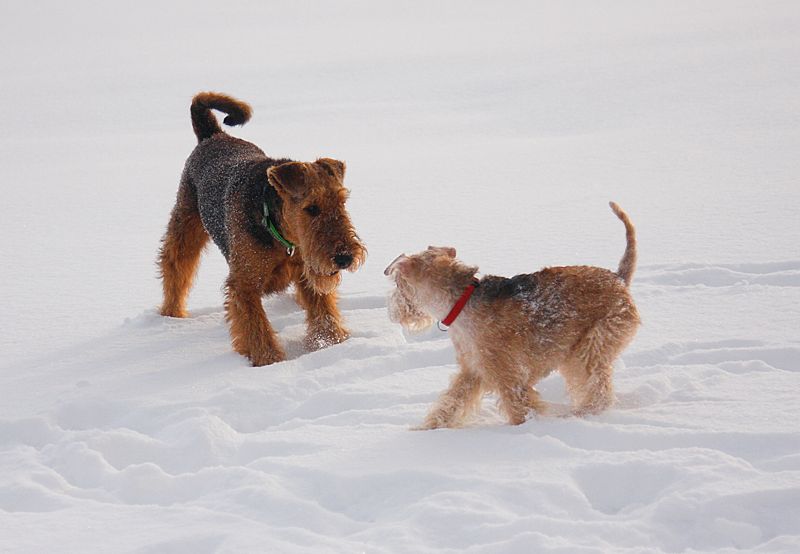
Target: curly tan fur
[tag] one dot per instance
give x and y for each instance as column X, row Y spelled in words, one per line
column 515, row 331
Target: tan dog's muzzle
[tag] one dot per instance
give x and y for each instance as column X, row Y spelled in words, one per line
column 391, row 267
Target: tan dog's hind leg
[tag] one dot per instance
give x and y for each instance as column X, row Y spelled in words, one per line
column 598, row 392
column 589, row 373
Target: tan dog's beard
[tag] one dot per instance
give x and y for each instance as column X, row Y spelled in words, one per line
column 403, row 309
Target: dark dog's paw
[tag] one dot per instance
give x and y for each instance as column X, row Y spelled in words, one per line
column 322, row 337
column 268, row 357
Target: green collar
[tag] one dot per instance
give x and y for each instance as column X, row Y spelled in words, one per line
column 266, row 220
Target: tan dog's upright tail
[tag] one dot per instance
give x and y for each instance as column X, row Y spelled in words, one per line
column 203, row 121
column 627, row 265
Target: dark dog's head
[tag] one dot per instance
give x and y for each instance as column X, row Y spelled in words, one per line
column 315, row 219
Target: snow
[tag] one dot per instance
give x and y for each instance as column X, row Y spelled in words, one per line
column 500, row 129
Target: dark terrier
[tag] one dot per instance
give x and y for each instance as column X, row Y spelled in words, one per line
column 277, row 222
column 511, row 333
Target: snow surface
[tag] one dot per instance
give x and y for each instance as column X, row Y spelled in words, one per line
column 500, row 128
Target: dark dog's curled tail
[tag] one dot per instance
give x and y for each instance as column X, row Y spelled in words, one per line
column 627, row 265
column 203, row 121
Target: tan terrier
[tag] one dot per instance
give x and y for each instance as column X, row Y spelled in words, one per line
column 511, row 333
column 277, row 222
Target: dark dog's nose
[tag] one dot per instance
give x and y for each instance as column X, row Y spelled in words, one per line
column 343, row 261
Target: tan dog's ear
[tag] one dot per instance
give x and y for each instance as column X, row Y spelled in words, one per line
column 334, row 167
column 289, row 179
column 448, row 251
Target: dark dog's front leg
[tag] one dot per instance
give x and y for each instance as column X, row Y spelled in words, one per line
column 251, row 333
column 323, row 320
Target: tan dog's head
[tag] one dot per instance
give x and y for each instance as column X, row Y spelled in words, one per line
column 426, row 284
column 316, row 221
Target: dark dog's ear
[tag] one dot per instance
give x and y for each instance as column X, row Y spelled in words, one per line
column 334, row 167
column 289, row 179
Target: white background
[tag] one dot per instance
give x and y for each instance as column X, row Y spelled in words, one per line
column 500, row 128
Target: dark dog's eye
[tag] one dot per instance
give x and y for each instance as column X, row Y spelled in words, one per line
column 312, row 210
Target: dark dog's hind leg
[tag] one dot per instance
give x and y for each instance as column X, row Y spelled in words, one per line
column 180, row 251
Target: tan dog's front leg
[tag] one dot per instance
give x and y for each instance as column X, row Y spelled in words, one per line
column 323, row 320
column 517, row 402
column 455, row 403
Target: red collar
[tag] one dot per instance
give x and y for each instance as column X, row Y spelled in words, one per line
column 460, row 303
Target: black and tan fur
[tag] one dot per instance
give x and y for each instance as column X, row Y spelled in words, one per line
column 221, row 196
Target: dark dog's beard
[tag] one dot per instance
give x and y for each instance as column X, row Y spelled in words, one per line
column 403, row 310
column 320, row 263
column 322, row 284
